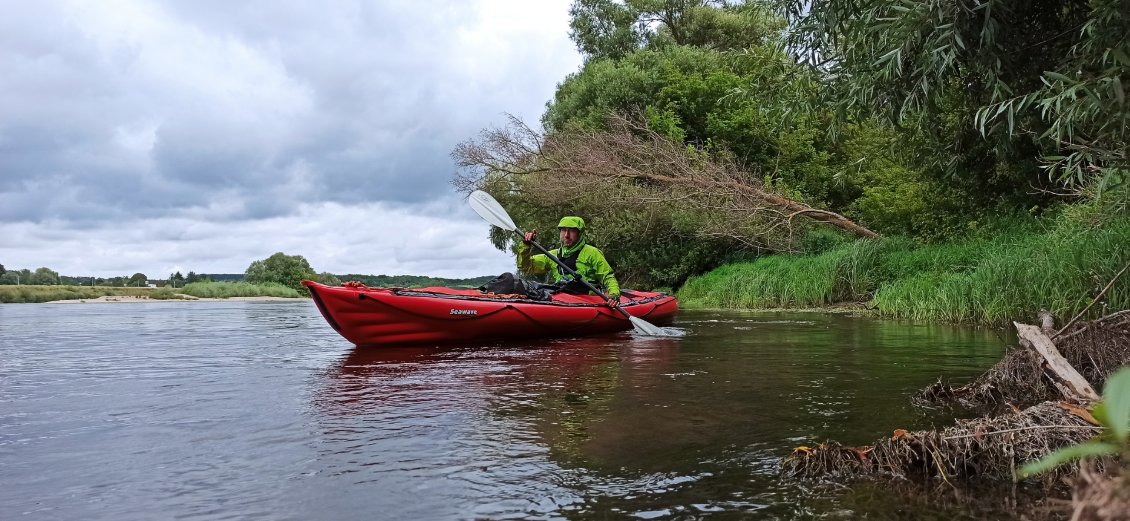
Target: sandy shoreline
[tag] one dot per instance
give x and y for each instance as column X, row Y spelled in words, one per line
column 182, row 298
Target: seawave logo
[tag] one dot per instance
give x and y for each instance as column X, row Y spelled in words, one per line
column 464, row 311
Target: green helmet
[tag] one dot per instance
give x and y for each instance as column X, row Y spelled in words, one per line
column 572, row 222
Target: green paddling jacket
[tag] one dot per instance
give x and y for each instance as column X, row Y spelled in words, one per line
column 591, row 265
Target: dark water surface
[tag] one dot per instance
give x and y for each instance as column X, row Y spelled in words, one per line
column 251, row 410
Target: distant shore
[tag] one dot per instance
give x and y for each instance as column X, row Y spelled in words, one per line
column 180, row 298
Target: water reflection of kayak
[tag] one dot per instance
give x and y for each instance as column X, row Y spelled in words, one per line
column 382, row 317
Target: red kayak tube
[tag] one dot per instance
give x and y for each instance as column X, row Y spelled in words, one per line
column 397, row 316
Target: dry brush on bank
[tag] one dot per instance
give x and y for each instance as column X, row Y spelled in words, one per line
column 1037, row 403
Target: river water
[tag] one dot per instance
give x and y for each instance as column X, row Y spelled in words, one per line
column 252, row 410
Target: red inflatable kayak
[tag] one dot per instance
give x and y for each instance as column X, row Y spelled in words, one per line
column 381, row 317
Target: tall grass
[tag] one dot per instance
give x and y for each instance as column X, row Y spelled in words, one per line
column 1061, row 271
column 238, row 289
column 769, row 282
column 1012, row 275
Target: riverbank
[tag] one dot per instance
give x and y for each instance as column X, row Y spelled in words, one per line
column 179, row 297
column 1061, row 265
column 195, row 290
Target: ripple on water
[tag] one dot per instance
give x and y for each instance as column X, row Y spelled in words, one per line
column 244, row 410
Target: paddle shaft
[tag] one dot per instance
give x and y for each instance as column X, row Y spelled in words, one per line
column 571, row 271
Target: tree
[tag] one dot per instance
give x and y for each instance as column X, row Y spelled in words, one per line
column 328, row 279
column 2, row 270
column 987, row 86
column 191, row 277
column 44, row 277
column 287, row 270
column 608, row 29
column 138, row 280
column 604, row 29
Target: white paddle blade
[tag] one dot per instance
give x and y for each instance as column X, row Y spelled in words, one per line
column 644, row 327
column 489, row 209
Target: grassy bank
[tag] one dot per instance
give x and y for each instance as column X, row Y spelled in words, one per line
column 34, row 294
column 1056, row 265
column 238, row 289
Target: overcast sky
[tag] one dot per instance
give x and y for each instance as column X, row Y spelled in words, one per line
column 161, row 136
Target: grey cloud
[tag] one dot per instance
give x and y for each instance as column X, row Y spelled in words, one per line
column 211, row 112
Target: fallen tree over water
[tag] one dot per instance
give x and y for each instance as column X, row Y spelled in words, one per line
column 1037, row 403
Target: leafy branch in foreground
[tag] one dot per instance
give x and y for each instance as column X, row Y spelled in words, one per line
column 1113, row 413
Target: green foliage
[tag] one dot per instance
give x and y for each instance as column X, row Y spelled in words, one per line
column 1113, row 413
column 327, row 278
column 608, row 29
column 819, row 240
column 731, row 27
column 1115, row 410
column 43, row 277
column 983, row 88
column 689, row 94
column 239, row 289
column 604, row 28
column 15, row 277
column 280, row 268
column 654, row 249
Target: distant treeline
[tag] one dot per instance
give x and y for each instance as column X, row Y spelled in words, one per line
column 222, row 277
column 46, row 277
column 413, row 281
column 382, row 281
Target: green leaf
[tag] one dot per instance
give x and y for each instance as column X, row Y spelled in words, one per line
column 1065, row 455
column 1057, row 76
column 1120, row 56
column 1116, row 398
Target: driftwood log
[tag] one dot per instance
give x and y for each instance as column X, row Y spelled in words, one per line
column 1065, row 378
column 1096, row 349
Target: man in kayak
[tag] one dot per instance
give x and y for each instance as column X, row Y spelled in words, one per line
column 582, row 257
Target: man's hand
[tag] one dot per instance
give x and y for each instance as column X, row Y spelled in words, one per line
column 612, row 301
column 530, row 236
